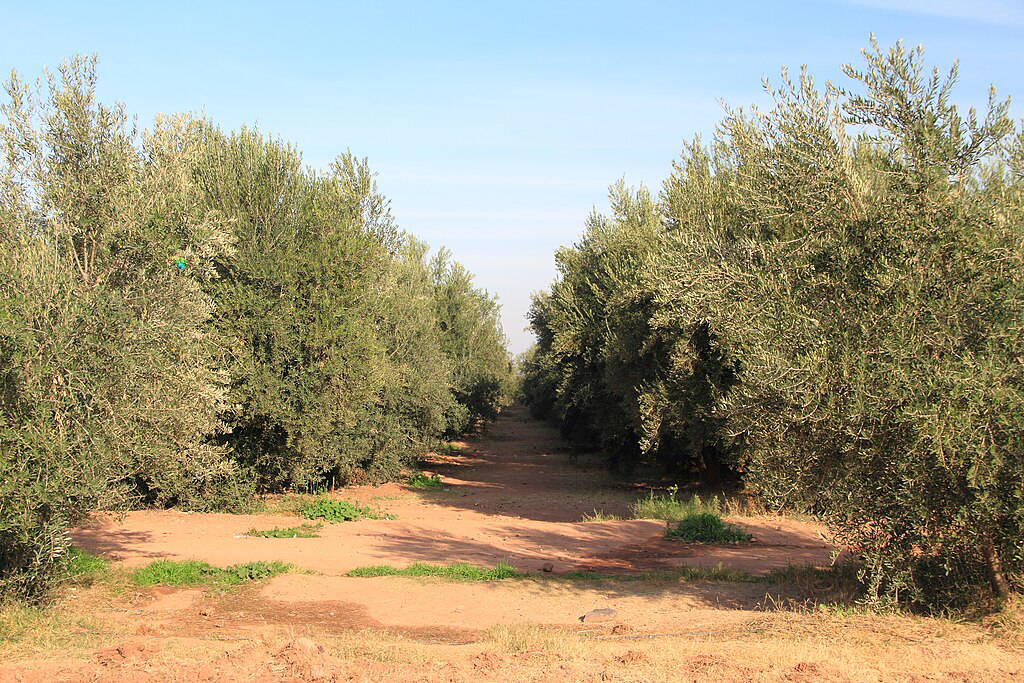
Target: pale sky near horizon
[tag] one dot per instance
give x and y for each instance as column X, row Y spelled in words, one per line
column 494, row 128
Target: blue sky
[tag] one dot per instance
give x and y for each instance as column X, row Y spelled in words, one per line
column 494, row 128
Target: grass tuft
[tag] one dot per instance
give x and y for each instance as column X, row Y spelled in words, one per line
column 675, row 575
column 534, row 638
column 452, row 572
column 301, row 531
column 708, row 528
column 599, row 516
column 193, row 573
column 337, row 510
column 84, row 568
column 671, row 509
column 422, row 481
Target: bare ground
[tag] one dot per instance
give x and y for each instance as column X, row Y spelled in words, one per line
column 511, row 496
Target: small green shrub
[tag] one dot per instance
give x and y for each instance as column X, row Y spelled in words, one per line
column 422, row 481
column 301, row 531
column 452, row 572
column 252, row 571
column 195, row 573
column 336, row 510
column 708, row 528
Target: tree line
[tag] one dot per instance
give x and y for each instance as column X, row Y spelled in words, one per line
column 825, row 301
column 190, row 317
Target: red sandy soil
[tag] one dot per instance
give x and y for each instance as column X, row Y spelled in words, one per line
column 511, row 496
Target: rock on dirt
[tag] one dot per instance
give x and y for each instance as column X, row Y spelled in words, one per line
column 600, row 614
column 548, row 567
column 116, row 655
column 307, row 659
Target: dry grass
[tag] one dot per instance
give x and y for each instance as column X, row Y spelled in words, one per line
column 514, row 638
column 77, row 621
column 773, row 646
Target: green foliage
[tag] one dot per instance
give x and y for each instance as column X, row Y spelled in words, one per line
column 193, row 573
column 608, row 369
column 835, row 299
column 451, row 572
column 334, row 369
column 301, row 531
column 336, row 510
column 473, row 341
column 109, row 379
column 422, row 481
column 189, row 317
column 350, row 354
column 707, row 527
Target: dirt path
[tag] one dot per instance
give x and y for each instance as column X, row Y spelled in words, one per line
column 511, row 495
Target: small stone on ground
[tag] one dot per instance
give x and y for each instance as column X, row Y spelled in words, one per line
column 600, row 614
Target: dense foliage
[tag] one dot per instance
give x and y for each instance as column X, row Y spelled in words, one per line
column 189, row 316
column 471, row 338
column 828, row 297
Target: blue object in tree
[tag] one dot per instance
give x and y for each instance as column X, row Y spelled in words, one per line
column 181, row 264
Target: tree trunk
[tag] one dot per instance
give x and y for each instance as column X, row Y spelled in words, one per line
column 995, row 567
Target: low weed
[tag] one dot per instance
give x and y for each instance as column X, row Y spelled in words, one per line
column 301, row 531
column 421, row 481
column 452, row 572
column 707, row 527
column 193, row 573
column 337, row 510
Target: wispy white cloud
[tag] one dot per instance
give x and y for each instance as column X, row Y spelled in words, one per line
column 982, row 11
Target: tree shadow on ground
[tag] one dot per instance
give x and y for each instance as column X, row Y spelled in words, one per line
column 518, row 466
column 595, row 559
column 102, row 538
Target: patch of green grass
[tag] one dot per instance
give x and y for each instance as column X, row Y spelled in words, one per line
column 679, row 574
column 813, row 582
column 468, row 572
column 449, row 448
column 671, row 509
column 452, row 572
column 422, row 481
column 301, row 531
column 194, row 573
column 84, row 568
column 708, row 527
column 599, row 516
column 337, row 510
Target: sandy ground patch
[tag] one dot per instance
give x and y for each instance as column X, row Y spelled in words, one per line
column 513, row 496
